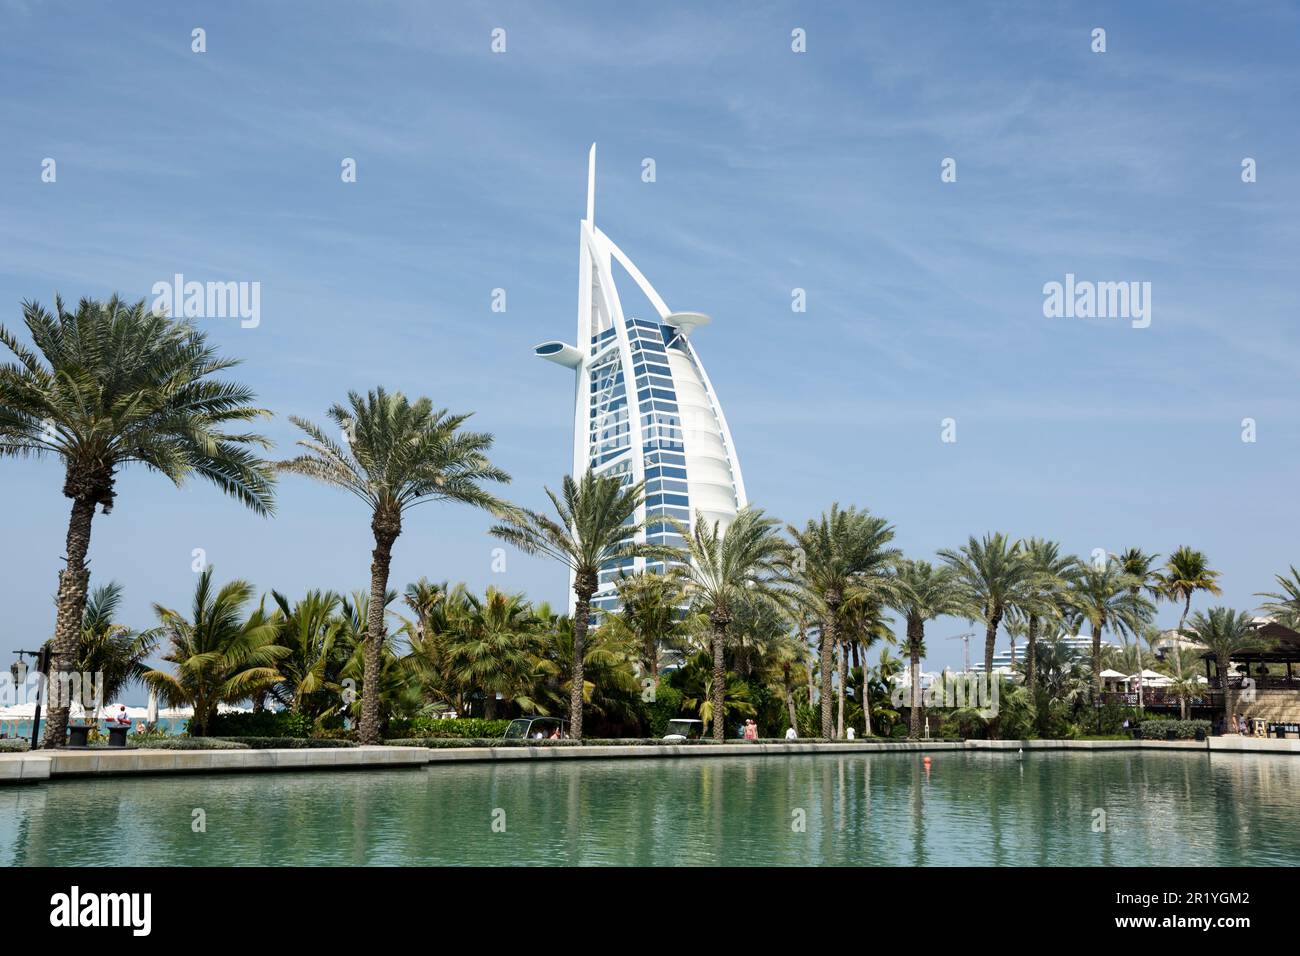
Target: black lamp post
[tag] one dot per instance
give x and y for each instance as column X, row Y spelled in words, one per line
column 42, row 667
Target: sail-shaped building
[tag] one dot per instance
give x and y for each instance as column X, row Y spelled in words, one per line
column 643, row 405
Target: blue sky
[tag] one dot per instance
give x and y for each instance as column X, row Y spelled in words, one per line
column 774, row 171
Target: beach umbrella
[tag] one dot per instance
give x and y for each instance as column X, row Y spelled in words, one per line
column 152, row 716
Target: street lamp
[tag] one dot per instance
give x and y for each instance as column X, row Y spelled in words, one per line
column 42, row 667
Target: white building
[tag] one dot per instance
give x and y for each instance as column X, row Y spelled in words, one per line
column 643, row 405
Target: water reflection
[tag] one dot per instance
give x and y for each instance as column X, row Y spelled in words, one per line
column 976, row 808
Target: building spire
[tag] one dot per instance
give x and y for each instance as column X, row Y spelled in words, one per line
column 591, row 186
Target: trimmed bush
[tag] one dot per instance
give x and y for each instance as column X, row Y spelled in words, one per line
column 442, row 743
column 262, row 723
column 185, row 743
column 284, row 743
column 411, row 727
column 14, row 745
column 1173, row 729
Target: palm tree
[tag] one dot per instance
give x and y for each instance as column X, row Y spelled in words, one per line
column 1284, row 604
column 609, row 684
column 1182, row 669
column 725, row 568
column 111, row 385
column 399, row 454
column 110, row 649
column 1186, row 572
column 399, row 695
column 442, row 613
column 597, row 524
column 1061, row 679
column 311, row 629
column 650, row 610
column 221, row 656
column 499, row 651
column 992, row 578
column 922, row 594
column 1049, row 574
column 843, row 550
column 1225, row 633
column 1102, row 594
column 862, row 625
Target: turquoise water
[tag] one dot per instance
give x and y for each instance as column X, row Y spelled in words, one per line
column 23, row 728
column 970, row 808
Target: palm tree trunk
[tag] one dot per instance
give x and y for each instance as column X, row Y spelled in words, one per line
column 866, row 700
column 990, row 640
column 841, row 668
column 74, row 581
column 1096, row 664
column 718, row 695
column 915, row 634
column 1031, row 656
column 788, row 686
column 828, row 641
column 1228, row 713
column 584, row 587
column 386, row 525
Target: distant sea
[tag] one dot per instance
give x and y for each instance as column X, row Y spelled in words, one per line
column 23, row 728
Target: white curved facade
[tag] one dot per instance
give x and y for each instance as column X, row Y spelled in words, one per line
column 643, row 404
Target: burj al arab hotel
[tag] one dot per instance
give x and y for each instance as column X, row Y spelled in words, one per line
column 643, row 405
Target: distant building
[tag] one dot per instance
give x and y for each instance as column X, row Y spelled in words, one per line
column 1081, row 644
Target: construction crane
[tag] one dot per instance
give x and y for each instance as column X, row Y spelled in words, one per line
column 965, row 638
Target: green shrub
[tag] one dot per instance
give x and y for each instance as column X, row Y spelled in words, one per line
column 667, row 706
column 184, row 743
column 1181, row 729
column 442, row 743
column 14, row 745
column 261, row 723
column 407, row 727
column 285, row 743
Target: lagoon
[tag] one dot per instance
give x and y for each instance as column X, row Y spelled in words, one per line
column 1041, row 809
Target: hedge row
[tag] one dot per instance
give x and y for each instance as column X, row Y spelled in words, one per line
column 14, row 744
column 187, row 743
column 453, row 742
column 1173, row 729
column 283, row 743
column 413, row 727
